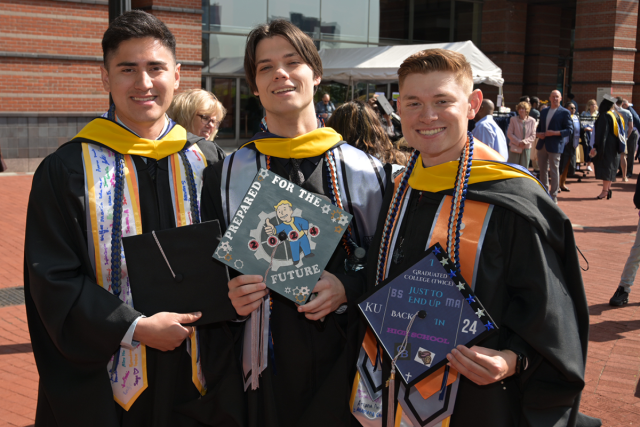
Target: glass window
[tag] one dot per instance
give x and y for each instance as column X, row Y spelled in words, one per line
column 345, row 20
column 468, row 17
column 233, row 16
column 251, row 112
column 225, row 91
column 304, row 14
column 217, row 46
column 432, row 21
column 338, row 93
column 394, row 19
column 374, row 21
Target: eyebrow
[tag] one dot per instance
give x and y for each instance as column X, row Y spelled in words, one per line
column 288, row 55
column 412, row 97
column 135, row 64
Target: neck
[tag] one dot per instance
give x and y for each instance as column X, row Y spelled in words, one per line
column 144, row 130
column 447, row 156
column 294, row 124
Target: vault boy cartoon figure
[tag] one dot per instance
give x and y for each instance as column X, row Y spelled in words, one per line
column 295, row 227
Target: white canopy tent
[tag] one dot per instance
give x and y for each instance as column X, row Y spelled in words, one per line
column 377, row 64
column 380, row 64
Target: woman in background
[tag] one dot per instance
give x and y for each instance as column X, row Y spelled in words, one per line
column 521, row 133
column 198, row 111
column 359, row 126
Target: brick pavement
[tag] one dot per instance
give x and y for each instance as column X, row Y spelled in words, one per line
column 605, row 230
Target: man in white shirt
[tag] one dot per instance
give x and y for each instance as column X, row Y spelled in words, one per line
column 488, row 131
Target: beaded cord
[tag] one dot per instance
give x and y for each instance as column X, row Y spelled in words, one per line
column 191, row 183
column 347, row 238
column 455, row 216
column 389, row 223
column 116, row 233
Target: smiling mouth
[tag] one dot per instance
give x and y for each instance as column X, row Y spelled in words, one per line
column 143, row 99
column 284, row 90
column 431, row 132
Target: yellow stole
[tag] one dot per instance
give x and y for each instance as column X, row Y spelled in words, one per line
column 310, row 144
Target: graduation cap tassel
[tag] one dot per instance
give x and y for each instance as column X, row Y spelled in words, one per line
column 255, row 318
column 391, row 383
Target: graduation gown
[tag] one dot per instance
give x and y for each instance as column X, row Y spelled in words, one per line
column 75, row 324
column 529, row 281
column 607, row 159
column 308, row 378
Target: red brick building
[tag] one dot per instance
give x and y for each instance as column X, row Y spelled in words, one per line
column 50, row 52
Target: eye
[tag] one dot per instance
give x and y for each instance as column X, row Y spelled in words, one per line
column 265, row 68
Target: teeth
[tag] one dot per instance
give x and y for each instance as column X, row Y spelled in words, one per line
column 287, row 89
column 431, row 131
column 150, row 98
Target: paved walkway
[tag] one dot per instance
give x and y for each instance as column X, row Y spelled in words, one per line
column 605, row 230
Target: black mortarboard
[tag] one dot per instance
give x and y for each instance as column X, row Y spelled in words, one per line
column 188, row 280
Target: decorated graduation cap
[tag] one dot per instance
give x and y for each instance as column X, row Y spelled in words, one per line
column 284, row 233
column 422, row 314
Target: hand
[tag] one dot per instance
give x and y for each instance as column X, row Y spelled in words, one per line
column 588, row 129
column 540, row 135
column 593, row 152
column 164, row 331
column 324, row 115
column 246, row 293
column 483, row 365
column 269, row 228
column 330, row 297
column 552, row 133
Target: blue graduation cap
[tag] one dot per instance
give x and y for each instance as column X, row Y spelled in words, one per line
column 430, row 305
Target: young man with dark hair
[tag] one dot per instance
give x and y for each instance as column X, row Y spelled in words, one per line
column 306, row 380
column 517, row 252
column 101, row 362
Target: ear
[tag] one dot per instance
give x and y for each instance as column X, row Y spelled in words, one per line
column 475, row 101
column 317, row 80
column 176, row 85
column 104, row 77
column 399, row 106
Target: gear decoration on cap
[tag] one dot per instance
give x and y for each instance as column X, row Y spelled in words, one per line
column 287, row 290
column 343, row 221
column 326, row 209
column 339, row 229
column 228, row 257
column 238, row 264
column 225, row 246
column 299, row 293
column 335, row 215
column 282, row 256
column 264, row 174
column 221, row 253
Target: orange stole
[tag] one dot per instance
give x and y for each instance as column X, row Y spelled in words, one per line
column 473, row 219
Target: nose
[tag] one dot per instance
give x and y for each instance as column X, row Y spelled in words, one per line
column 143, row 82
column 428, row 114
column 280, row 74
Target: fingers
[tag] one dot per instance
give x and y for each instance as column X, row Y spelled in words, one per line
column 481, row 365
column 465, row 366
column 244, row 280
column 322, row 301
column 187, row 317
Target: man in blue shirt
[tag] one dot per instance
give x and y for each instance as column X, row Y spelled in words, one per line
column 325, row 107
column 488, row 131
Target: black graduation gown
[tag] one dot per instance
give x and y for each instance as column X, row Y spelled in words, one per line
column 529, row 280
column 75, row 324
column 607, row 160
column 308, row 381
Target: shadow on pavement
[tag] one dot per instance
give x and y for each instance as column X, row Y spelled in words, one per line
column 611, row 330
column 16, row 348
